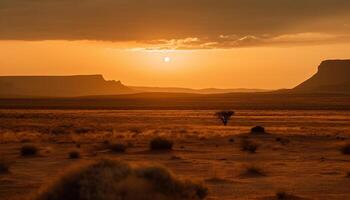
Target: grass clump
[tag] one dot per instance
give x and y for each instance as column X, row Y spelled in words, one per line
column 258, row 130
column 4, row 166
column 282, row 195
column 283, row 141
column 112, row 180
column 60, row 130
column 160, row 143
column 345, row 149
column 82, row 130
column 74, row 154
column 253, row 172
column 117, row 147
column 249, row 146
column 29, row 150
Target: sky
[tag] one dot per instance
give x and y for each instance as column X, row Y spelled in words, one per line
column 266, row 44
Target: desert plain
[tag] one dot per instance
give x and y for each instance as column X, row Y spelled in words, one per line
column 299, row 155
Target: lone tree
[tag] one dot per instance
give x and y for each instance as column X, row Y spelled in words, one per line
column 225, row 116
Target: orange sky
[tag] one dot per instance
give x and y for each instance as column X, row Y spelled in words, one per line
column 266, row 44
column 253, row 67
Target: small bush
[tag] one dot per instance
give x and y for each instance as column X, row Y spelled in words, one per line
column 4, row 166
column 346, row 149
column 281, row 195
column 118, row 147
column 160, row 143
column 111, row 180
column 283, row 141
column 253, row 171
column 231, row 140
column 82, row 130
column 258, row 130
column 60, row 130
column 286, row 196
column 249, row 146
column 348, row 175
column 29, row 150
column 74, row 155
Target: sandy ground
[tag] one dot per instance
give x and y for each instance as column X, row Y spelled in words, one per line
column 307, row 164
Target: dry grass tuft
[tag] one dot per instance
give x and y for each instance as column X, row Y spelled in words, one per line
column 283, row 141
column 249, row 146
column 111, row 180
column 82, row 130
column 74, row 154
column 4, row 166
column 258, row 130
column 29, row 150
column 60, row 130
column 160, row 143
column 253, row 172
column 118, row 147
column 281, row 195
column 345, row 149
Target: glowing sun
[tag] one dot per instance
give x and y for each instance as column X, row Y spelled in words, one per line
column 167, row 59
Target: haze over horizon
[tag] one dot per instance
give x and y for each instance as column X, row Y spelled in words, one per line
column 268, row 44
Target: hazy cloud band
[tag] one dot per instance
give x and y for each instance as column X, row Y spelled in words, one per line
column 178, row 24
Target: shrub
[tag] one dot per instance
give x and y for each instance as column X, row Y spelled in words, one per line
column 118, row 147
column 281, row 195
column 231, row 140
column 285, row 196
column 258, row 130
column 283, row 141
column 74, row 155
column 346, row 149
column 4, row 166
column 29, row 150
column 249, row 146
column 111, row 180
column 160, row 143
column 253, row 171
column 82, row 130
column 224, row 116
column 60, row 130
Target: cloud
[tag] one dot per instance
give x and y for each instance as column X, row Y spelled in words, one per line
column 233, row 41
column 181, row 24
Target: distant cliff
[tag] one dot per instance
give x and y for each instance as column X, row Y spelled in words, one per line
column 60, row 86
column 333, row 76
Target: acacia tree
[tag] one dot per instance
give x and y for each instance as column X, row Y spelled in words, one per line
column 224, row 116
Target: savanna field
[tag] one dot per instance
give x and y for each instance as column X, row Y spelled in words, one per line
column 301, row 154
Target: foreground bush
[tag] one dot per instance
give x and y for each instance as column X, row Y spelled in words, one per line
column 160, row 143
column 29, row 150
column 345, row 149
column 113, row 180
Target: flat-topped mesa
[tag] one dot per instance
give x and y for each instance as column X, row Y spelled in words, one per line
column 60, row 86
column 333, row 76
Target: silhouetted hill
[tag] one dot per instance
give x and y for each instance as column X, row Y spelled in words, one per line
column 60, row 86
column 332, row 77
column 196, row 91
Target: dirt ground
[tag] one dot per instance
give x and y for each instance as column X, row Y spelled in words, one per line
column 299, row 155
